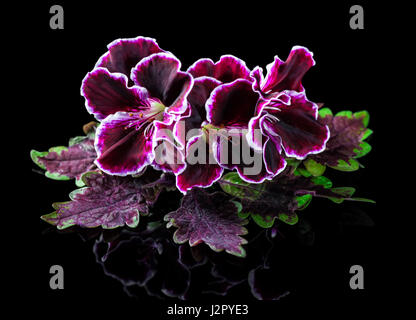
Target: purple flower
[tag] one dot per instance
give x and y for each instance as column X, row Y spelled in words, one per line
column 128, row 114
column 231, row 107
column 283, row 75
column 124, row 54
column 288, row 121
column 199, row 130
column 227, row 69
column 197, row 137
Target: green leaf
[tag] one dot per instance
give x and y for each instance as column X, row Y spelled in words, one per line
column 153, row 225
column 367, row 133
column 365, row 148
column 359, row 199
column 351, row 165
column 76, row 140
column 289, row 219
column 336, row 200
column 347, row 114
column 322, row 181
column 244, row 215
column 345, row 192
column 238, row 205
column 314, row 168
column 73, row 193
column 232, row 184
column 302, row 172
column 79, row 183
column 58, row 149
column 263, row 221
column 50, row 218
column 293, row 162
column 325, row 112
column 364, row 115
column 303, row 201
column 56, row 176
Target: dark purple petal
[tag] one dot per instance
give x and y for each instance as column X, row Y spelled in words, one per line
column 255, row 133
column 160, row 75
column 284, row 75
column 164, row 128
column 168, row 157
column 199, row 174
column 200, row 93
column 107, row 93
column 232, row 105
column 258, row 79
column 301, row 134
column 273, row 160
column 197, row 98
column 124, row 54
column 123, row 149
column 208, row 218
column 227, row 69
column 236, row 154
column 270, row 146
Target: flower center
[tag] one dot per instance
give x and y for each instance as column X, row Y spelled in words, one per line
column 144, row 117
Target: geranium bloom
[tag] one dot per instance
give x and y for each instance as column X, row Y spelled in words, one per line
column 230, row 108
column 285, row 117
column 192, row 136
column 193, row 132
column 289, row 121
column 128, row 114
column 283, row 75
column 227, row 69
column 233, row 105
column 124, row 54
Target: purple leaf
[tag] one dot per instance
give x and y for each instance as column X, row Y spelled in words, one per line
column 283, row 196
column 109, row 201
column 347, row 131
column 209, row 218
column 64, row 163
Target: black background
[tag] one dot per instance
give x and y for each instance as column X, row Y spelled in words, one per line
column 344, row 78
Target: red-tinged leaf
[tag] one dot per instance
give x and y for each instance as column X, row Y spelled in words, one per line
column 107, row 201
column 289, row 192
column 347, row 131
column 64, row 163
column 209, row 218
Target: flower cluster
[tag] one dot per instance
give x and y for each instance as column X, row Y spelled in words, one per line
column 152, row 113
